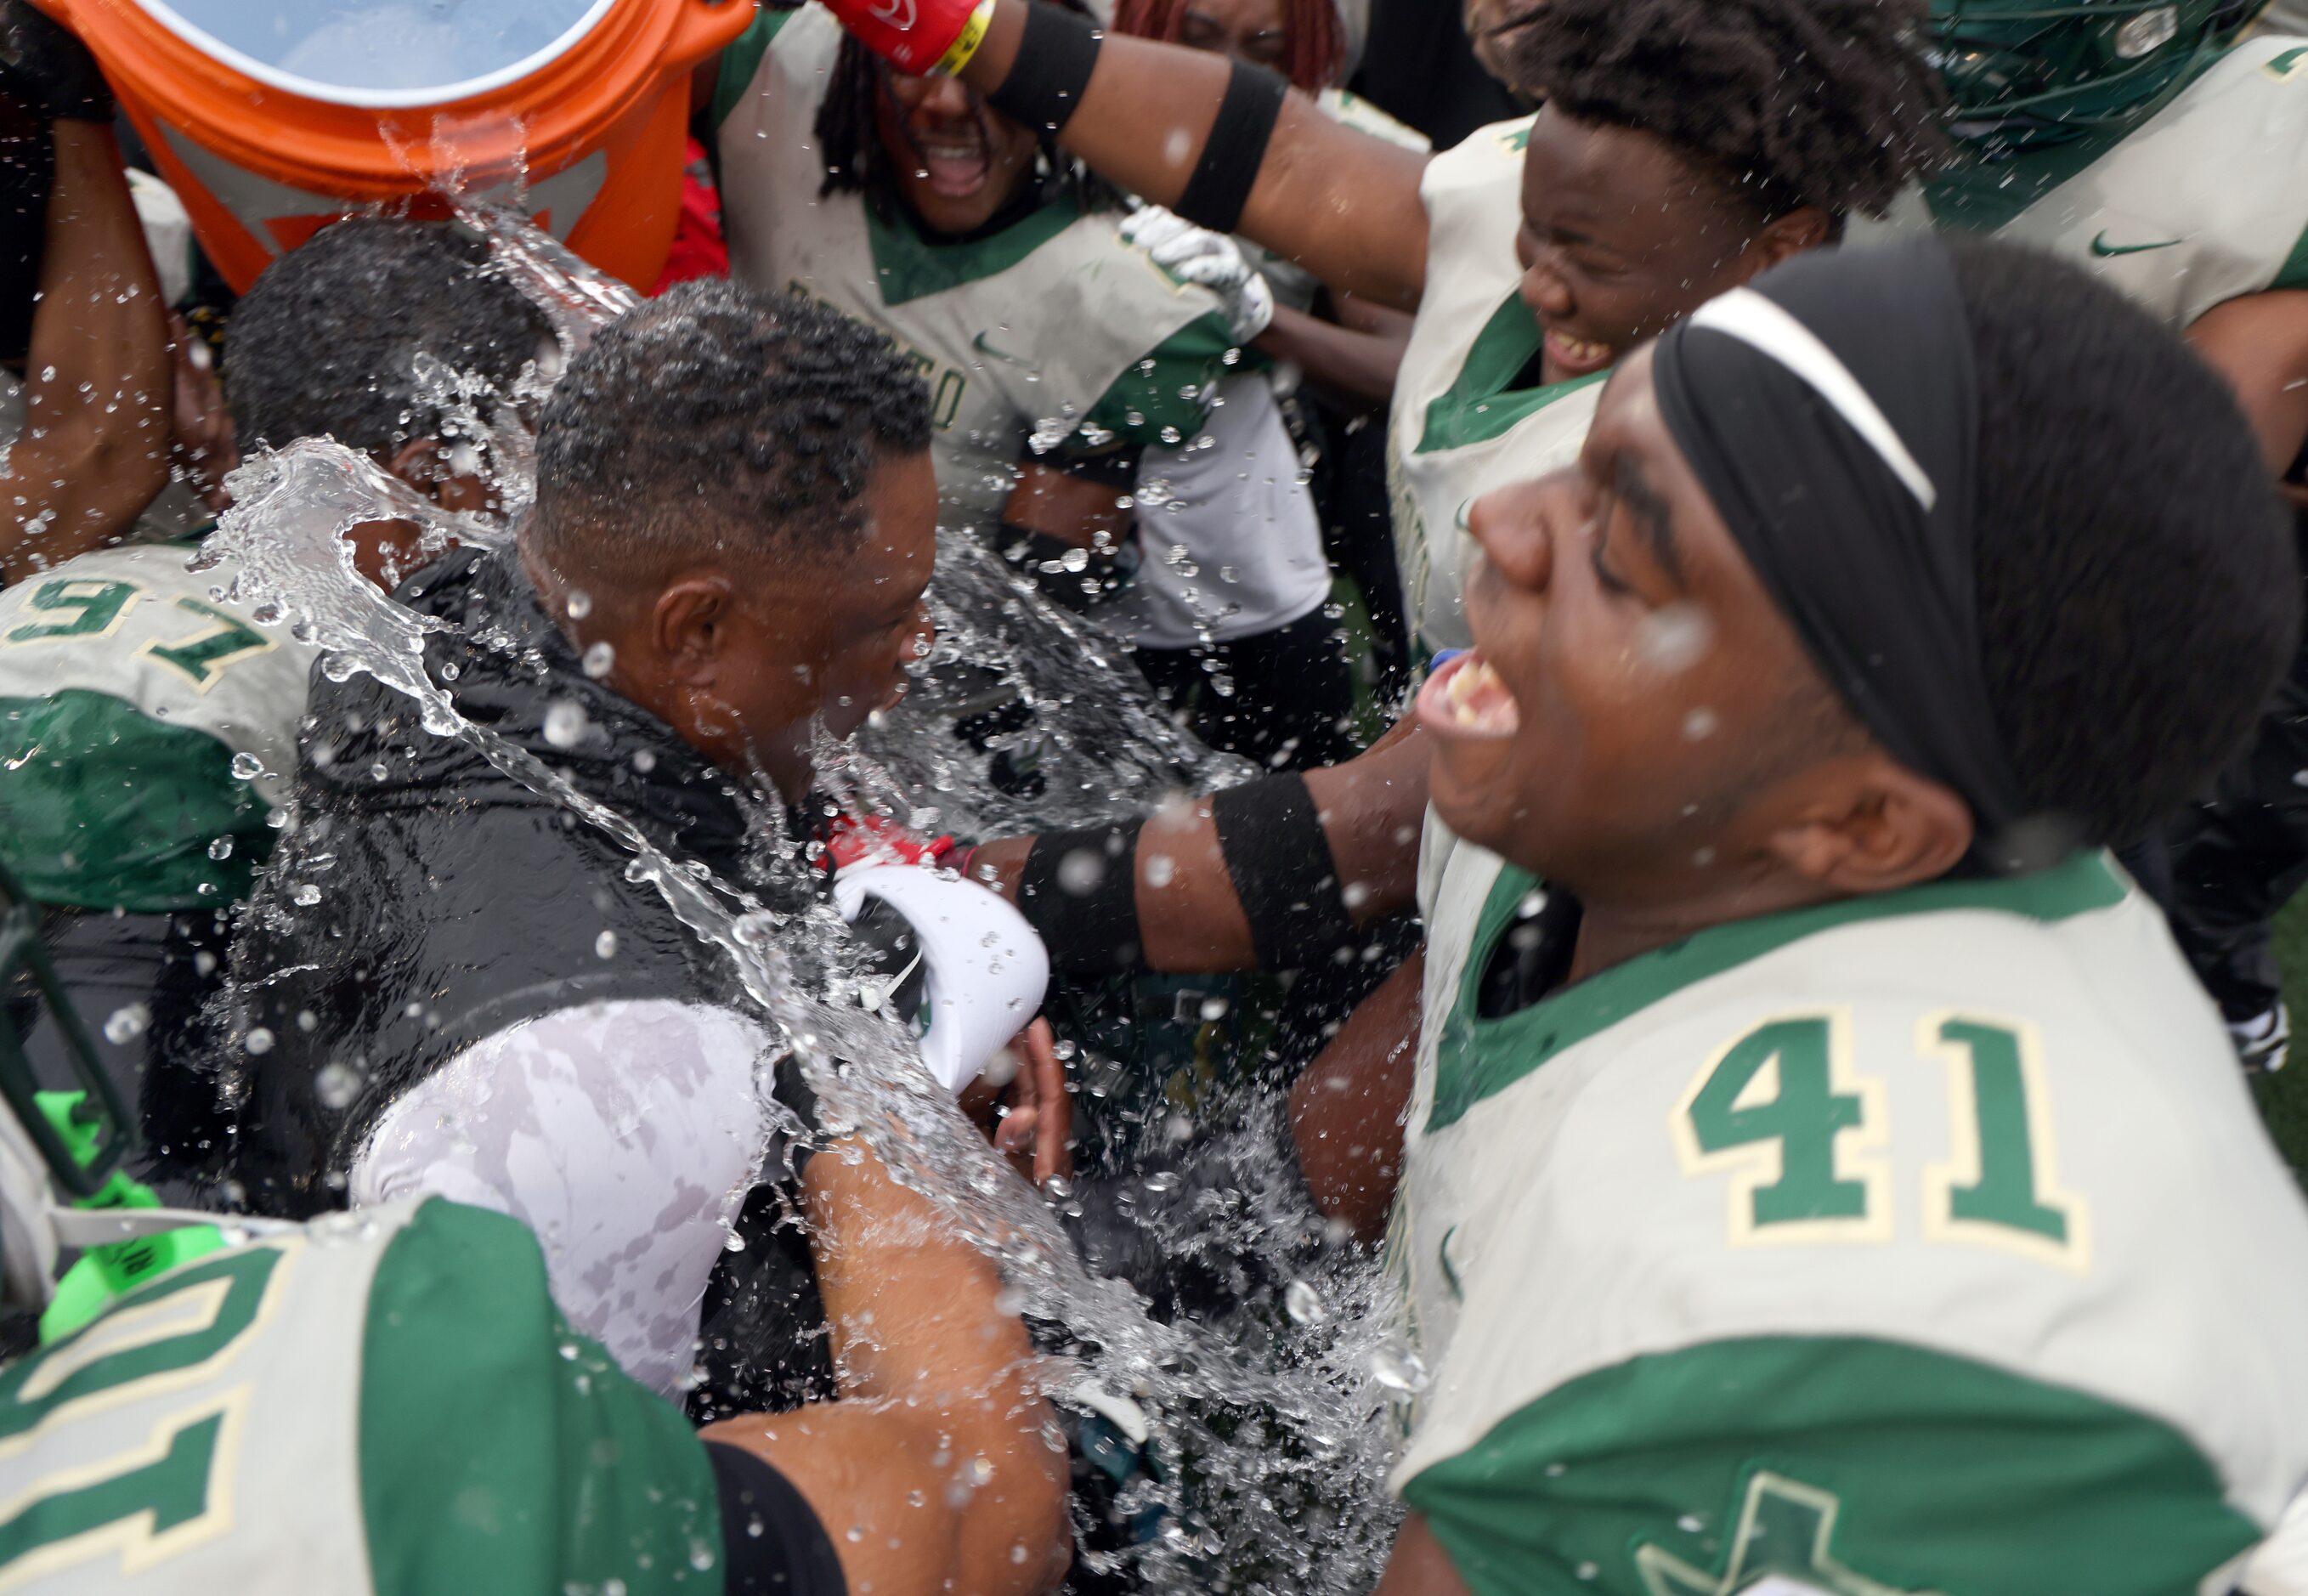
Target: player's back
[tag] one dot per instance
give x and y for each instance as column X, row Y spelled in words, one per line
column 385, row 1401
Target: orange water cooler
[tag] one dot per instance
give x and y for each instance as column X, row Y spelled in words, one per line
column 272, row 117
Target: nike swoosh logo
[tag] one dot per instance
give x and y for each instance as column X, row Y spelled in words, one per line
column 1004, row 356
column 2102, row 248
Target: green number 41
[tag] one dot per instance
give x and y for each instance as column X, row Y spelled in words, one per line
column 1782, row 1110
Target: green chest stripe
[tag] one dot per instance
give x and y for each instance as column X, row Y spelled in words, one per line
column 742, row 60
column 105, row 807
column 907, row 266
column 1479, row 406
column 1477, row 1059
column 1858, row 1467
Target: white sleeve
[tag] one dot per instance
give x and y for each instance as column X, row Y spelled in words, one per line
column 626, row 1135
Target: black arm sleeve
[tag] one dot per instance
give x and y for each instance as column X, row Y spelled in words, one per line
column 772, row 1542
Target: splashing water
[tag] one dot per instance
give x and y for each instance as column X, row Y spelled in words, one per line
column 1266, row 1436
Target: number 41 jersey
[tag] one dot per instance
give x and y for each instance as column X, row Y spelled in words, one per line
column 1926, row 1242
column 385, row 1402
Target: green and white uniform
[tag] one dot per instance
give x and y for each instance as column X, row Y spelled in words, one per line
column 1460, row 427
column 127, row 692
column 2204, row 202
column 1052, row 334
column 385, row 1402
column 1926, row 1242
column 1056, row 318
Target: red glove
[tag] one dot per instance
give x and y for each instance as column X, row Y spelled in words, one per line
column 918, row 37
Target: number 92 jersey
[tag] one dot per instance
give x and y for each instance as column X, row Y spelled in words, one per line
column 386, row 1400
column 128, row 691
column 1924, row 1242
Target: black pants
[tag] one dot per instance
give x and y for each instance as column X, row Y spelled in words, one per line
column 1289, row 693
column 2240, row 857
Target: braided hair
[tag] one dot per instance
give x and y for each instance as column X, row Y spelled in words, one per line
column 1317, row 43
column 855, row 159
column 1828, row 103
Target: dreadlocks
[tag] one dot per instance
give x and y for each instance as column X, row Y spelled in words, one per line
column 857, row 163
column 1317, row 43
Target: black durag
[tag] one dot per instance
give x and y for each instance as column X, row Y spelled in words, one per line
column 1831, row 409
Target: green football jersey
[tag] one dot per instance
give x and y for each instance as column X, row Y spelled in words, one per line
column 1053, row 332
column 2205, row 200
column 1460, row 427
column 386, row 1402
column 1925, row 1242
column 129, row 694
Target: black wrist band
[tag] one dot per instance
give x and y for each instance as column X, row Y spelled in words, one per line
column 773, row 1544
column 1054, row 57
column 791, row 1088
column 1280, row 865
column 1079, row 892
column 1235, row 151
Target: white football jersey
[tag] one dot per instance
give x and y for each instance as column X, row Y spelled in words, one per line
column 1458, row 428
column 1924, row 1242
column 2206, row 201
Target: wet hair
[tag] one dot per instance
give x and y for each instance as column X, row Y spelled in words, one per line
column 850, row 139
column 713, row 412
column 327, row 340
column 1828, row 103
column 1317, row 47
column 2138, row 593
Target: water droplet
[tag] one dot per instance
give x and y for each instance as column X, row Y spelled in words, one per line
column 306, row 896
column 336, row 1085
column 1399, row 1368
column 1700, row 724
column 581, row 604
column 125, row 1024
column 258, row 1040
column 221, row 849
column 605, row 945
column 247, row 766
column 1159, row 868
column 1303, row 1303
column 564, row 723
column 599, row 658
column 1079, row 872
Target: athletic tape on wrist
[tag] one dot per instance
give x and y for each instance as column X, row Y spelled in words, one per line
column 1280, row 862
column 1088, row 922
column 1235, row 151
column 1056, row 56
column 965, row 44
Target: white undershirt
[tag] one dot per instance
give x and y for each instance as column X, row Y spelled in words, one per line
column 1232, row 511
column 626, row 1135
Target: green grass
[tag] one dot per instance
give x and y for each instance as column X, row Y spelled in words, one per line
column 2283, row 1096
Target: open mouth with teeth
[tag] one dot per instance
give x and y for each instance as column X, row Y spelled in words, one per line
column 1467, row 699
column 1575, row 356
column 955, row 156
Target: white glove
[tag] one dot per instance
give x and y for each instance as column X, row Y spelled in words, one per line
column 1209, row 260
column 986, row 971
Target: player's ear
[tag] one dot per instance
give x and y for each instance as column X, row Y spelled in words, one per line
column 1804, row 228
column 1873, row 825
column 689, row 624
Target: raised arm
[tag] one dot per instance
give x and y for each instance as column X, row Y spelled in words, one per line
column 1189, row 911
column 932, row 1474
column 94, row 451
column 1341, row 203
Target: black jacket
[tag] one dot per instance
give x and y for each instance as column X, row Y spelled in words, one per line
column 453, row 901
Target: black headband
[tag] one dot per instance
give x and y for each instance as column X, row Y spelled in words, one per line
column 1831, row 412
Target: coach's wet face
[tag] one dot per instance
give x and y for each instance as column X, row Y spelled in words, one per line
column 1633, row 690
